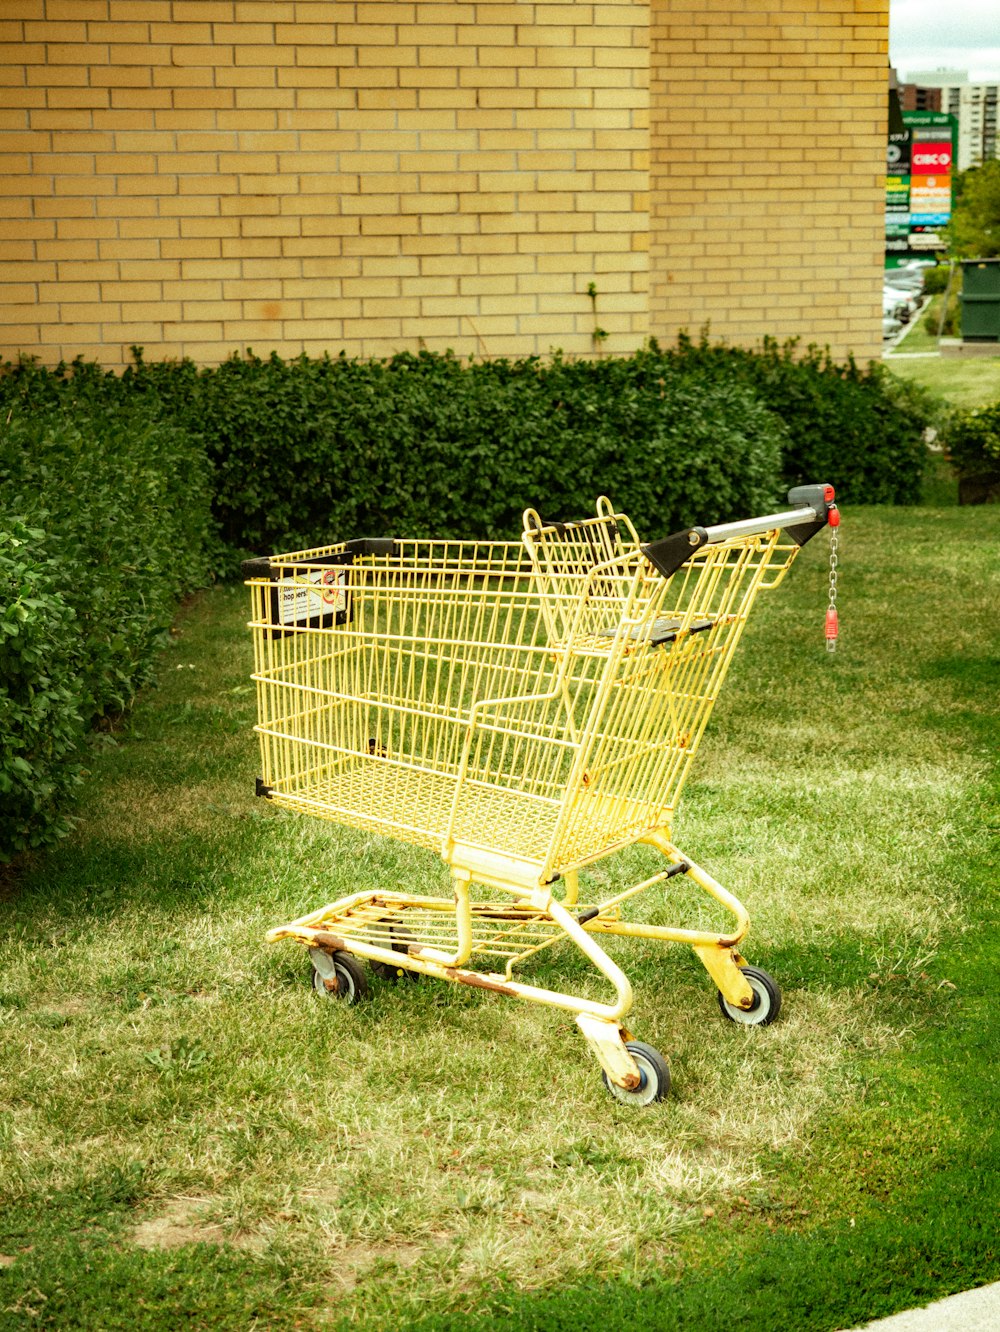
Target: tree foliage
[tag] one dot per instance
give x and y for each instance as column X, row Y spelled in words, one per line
column 974, row 229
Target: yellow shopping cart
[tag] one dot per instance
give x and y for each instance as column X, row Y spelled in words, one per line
column 522, row 709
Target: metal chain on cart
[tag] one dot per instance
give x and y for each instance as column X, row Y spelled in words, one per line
column 832, row 627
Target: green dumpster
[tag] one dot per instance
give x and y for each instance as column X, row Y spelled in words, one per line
column 981, row 300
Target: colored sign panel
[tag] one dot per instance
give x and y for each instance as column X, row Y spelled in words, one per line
column 918, row 196
column 897, row 158
column 931, row 158
column 927, row 195
column 897, row 210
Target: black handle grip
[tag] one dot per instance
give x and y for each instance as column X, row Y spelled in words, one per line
column 670, row 552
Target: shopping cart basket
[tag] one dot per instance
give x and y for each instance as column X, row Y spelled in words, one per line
column 523, row 709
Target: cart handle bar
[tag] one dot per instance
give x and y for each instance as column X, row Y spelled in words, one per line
column 801, row 523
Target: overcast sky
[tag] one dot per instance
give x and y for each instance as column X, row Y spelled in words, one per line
column 950, row 34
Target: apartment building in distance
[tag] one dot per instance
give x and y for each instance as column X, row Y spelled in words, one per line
column 974, row 105
column 912, row 97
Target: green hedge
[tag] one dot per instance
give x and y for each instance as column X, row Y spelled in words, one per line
column 115, row 486
column 326, row 449
column 41, row 694
column 105, row 521
column 936, row 279
column 862, row 430
column 972, row 441
column 312, row 450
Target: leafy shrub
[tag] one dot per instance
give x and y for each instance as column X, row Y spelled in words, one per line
column 310, row 450
column 860, row 430
column 126, row 499
column 951, row 325
column 40, row 691
column 313, row 450
column 116, row 508
column 973, row 441
column 936, row 279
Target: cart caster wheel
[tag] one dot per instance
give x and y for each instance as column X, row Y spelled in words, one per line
column 767, row 1000
column 400, row 940
column 653, row 1071
column 338, row 976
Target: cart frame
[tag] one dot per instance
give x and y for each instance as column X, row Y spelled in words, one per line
column 535, row 707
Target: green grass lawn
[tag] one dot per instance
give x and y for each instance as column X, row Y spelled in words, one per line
column 189, row 1136
column 963, row 382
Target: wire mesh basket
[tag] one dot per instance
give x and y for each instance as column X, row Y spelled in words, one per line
column 523, row 709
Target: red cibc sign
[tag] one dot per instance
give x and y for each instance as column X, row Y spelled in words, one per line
column 931, row 159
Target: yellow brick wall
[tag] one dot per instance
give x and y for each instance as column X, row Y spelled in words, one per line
column 767, row 174
column 202, row 175
column 199, row 176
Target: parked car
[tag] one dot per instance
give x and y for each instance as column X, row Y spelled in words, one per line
column 910, row 278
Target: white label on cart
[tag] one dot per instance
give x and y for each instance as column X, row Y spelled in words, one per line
column 315, row 596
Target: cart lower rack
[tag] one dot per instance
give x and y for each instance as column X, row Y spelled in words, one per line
column 524, row 710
